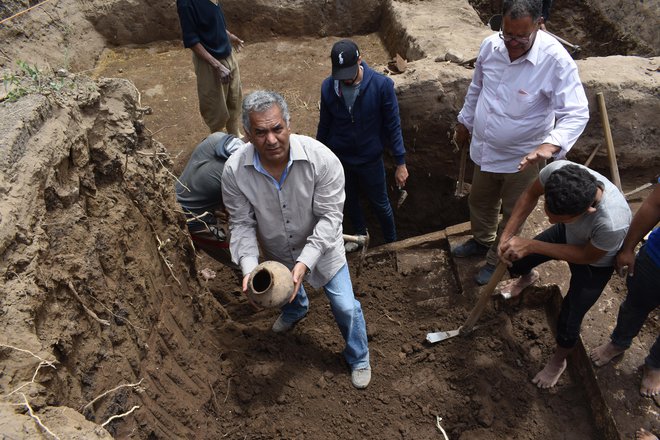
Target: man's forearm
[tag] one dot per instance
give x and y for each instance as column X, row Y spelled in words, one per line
column 202, row 53
column 523, row 207
column 644, row 220
column 576, row 254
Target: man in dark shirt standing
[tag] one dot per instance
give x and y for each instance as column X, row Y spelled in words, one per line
column 218, row 78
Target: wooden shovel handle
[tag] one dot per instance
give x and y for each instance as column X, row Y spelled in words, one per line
column 484, row 298
column 611, row 154
column 461, row 170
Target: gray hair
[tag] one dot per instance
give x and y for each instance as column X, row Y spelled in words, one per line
column 522, row 8
column 260, row 101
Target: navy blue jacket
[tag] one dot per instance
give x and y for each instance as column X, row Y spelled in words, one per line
column 360, row 138
column 203, row 22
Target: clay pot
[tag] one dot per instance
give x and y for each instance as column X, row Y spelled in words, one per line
column 270, row 284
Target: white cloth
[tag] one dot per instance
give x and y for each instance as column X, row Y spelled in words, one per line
column 513, row 107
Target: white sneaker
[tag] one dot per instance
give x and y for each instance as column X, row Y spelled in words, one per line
column 360, row 378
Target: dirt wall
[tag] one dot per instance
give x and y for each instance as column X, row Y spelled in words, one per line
column 99, row 278
column 639, row 19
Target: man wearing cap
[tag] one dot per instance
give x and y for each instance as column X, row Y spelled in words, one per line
column 525, row 105
column 199, row 192
column 359, row 117
column 218, row 78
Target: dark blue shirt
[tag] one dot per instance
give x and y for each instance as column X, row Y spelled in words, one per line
column 202, row 21
column 359, row 137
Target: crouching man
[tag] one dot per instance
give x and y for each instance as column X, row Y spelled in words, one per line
column 590, row 218
column 199, row 192
column 285, row 194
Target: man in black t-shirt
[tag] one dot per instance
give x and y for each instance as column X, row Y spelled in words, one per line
column 218, row 78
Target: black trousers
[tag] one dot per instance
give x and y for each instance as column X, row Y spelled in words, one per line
column 586, row 285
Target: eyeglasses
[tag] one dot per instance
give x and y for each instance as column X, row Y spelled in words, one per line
column 519, row 40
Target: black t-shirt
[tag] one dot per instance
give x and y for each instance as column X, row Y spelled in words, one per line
column 202, row 21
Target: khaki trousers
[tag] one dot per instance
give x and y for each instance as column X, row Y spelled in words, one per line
column 490, row 193
column 219, row 104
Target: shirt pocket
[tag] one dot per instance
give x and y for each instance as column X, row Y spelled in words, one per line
column 520, row 103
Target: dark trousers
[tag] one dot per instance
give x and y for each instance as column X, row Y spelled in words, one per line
column 209, row 236
column 586, row 285
column 369, row 179
column 643, row 296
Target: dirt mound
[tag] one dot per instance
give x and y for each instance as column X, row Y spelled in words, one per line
column 98, row 277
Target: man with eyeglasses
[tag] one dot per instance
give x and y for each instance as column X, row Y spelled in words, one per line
column 525, row 105
column 359, row 116
column 590, row 219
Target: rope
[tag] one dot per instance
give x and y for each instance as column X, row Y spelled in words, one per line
column 24, row 11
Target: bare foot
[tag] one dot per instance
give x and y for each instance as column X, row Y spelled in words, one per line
column 512, row 288
column 643, row 434
column 548, row 377
column 650, row 382
column 603, row 354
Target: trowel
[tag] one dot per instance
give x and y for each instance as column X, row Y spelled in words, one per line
column 403, row 195
column 441, row 336
column 477, row 310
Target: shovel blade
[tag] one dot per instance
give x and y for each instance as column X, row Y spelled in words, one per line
column 403, row 195
column 432, row 338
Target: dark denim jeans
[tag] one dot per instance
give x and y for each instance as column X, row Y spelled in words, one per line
column 586, row 285
column 369, row 179
column 643, row 296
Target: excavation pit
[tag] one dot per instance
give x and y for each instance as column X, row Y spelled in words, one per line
column 99, row 230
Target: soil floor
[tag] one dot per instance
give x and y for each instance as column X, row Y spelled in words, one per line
column 296, row 386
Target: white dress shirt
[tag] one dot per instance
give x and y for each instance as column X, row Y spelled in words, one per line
column 513, row 107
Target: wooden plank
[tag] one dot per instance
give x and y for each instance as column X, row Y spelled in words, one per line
column 408, row 243
column 459, row 229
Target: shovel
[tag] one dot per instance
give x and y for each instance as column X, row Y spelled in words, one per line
column 403, row 195
column 477, row 310
column 460, row 184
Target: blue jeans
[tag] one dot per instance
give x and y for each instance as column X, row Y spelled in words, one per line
column 347, row 312
column 643, row 296
column 369, row 178
column 585, row 287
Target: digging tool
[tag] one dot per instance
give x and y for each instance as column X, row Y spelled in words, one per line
column 574, row 47
column 591, row 156
column 477, row 310
column 361, row 240
column 611, row 155
column 460, row 184
column 403, row 195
